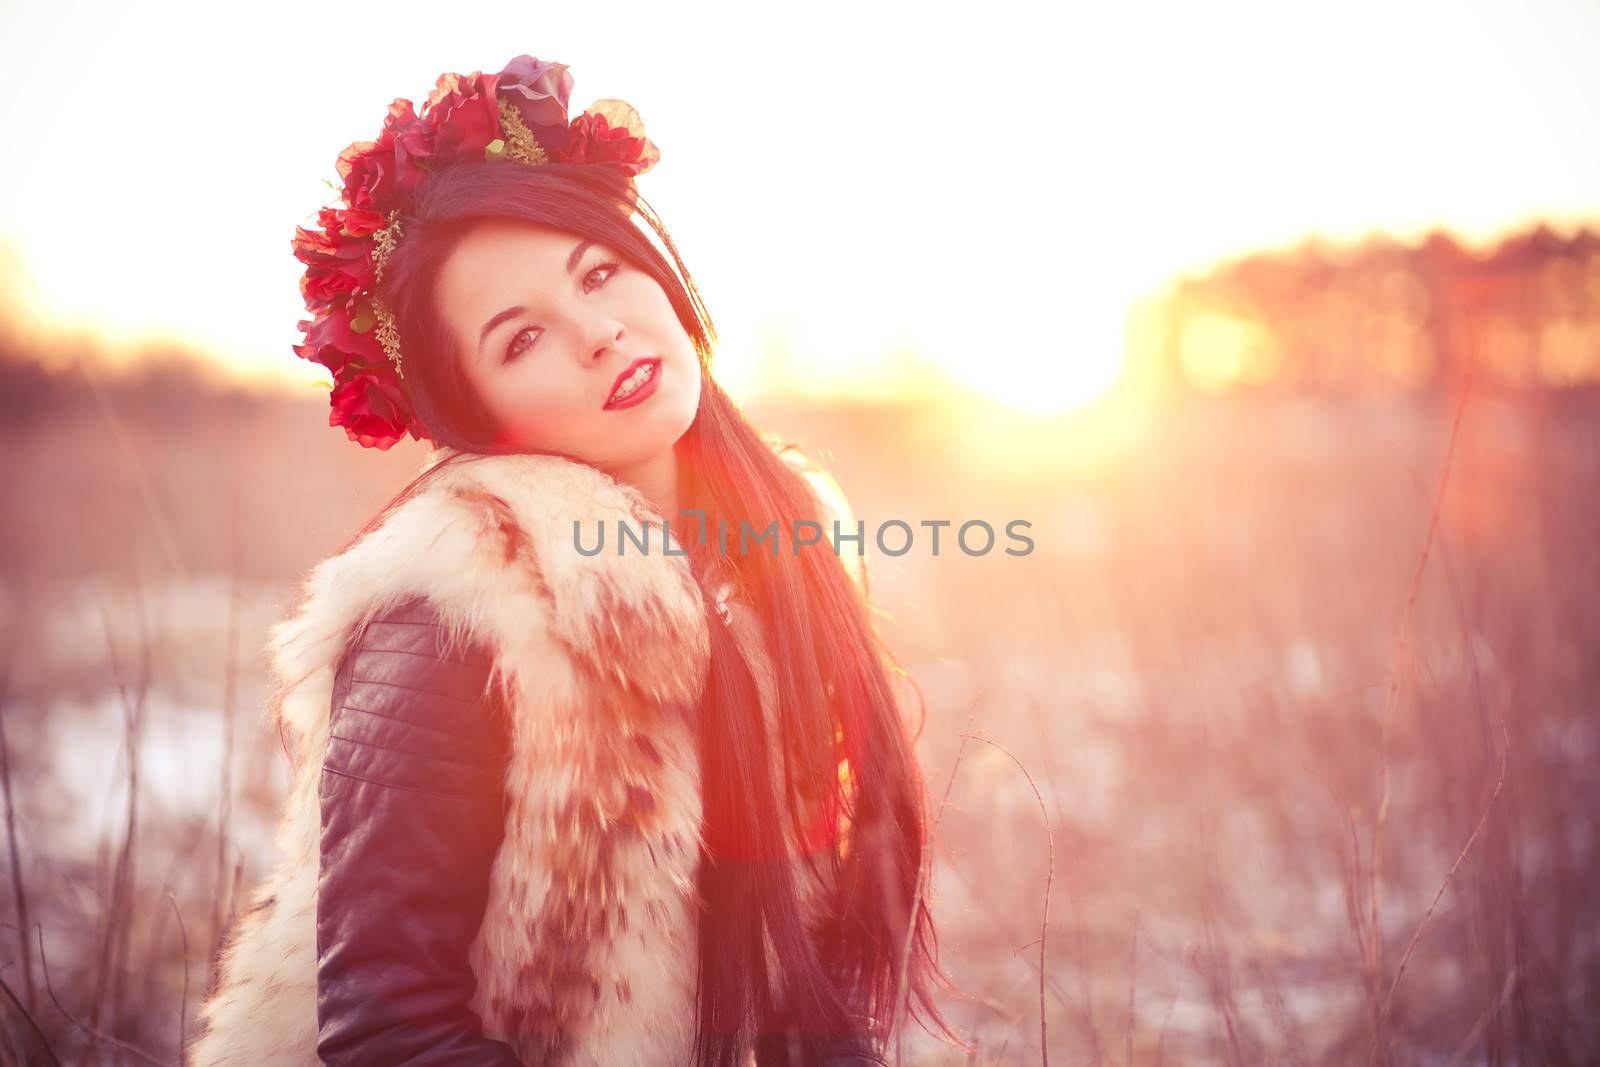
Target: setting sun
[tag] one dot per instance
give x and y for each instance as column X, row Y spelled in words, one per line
column 1044, row 381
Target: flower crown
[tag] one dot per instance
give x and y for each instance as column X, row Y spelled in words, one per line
column 516, row 116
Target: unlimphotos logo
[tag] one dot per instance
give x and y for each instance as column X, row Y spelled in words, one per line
column 892, row 537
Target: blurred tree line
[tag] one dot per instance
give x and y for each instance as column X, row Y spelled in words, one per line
column 1388, row 316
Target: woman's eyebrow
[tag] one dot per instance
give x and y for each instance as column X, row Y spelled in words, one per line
column 511, row 312
column 577, row 254
column 489, row 326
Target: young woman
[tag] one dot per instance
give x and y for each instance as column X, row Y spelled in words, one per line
column 557, row 798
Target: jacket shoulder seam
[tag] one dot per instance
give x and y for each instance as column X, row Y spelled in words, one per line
column 401, row 751
column 403, row 788
column 364, row 647
column 396, row 718
column 354, row 681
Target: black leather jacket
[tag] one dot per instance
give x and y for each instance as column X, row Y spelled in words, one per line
column 413, row 812
column 412, row 815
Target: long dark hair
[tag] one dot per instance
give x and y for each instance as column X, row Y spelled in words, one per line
column 835, row 698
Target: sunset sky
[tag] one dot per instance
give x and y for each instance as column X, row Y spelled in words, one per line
column 864, row 192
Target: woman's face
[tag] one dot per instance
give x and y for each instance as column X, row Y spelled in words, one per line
column 549, row 328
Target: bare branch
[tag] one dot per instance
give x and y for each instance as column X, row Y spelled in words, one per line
column 132, row 1050
column 18, row 887
column 1374, row 932
column 183, row 1002
column 1050, row 874
column 903, row 991
column 44, row 1042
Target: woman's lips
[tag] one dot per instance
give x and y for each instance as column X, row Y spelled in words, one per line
column 640, row 394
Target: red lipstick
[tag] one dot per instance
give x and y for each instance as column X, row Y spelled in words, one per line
column 642, row 393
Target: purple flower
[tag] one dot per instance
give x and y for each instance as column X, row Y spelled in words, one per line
column 539, row 90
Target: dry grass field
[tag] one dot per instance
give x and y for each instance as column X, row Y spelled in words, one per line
column 1225, row 770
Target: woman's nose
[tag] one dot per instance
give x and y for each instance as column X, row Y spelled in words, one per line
column 604, row 336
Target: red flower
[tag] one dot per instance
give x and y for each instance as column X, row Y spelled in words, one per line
column 611, row 132
column 333, row 342
column 372, row 409
column 463, row 116
column 381, row 171
column 314, row 247
column 359, row 222
column 336, row 265
column 325, row 288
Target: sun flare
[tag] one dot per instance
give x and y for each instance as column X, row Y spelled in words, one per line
column 1044, row 382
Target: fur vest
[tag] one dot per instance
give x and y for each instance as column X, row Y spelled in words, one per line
column 589, row 650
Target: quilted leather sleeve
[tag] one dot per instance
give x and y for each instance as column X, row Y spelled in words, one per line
column 412, row 801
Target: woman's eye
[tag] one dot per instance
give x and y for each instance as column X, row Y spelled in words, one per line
column 593, row 280
column 608, row 268
column 517, row 345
